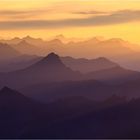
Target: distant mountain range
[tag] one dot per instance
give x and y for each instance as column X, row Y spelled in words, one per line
column 94, row 47
column 48, row 69
column 88, row 65
column 52, row 69
column 83, row 65
column 6, row 52
column 66, row 97
column 115, row 49
column 26, row 48
column 115, row 74
column 16, row 40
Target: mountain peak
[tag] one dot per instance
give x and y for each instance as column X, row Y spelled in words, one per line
column 60, row 36
column 55, row 41
column 95, row 39
column 23, row 42
column 27, row 37
column 16, row 38
column 116, row 40
column 103, row 59
column 52, row 55
column 7, row 91
column 51, row 59
column 4, row 45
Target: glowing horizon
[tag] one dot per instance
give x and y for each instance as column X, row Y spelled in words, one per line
column 72, row 18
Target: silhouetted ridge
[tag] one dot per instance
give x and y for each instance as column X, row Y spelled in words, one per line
column 103, row 59
column 51, row 59
column 23, row 42
column 27, row 37
column 55, row 41
column 7, row 52
column 7, row 91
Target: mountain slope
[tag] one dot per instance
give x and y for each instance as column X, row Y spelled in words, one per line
column 22, row 117
column 26, row 48
column 17, row 112
column 97, row 48
column 33, row 41
column 48, row 69
column 117, row 122
column 7, row 52
column 114, row 75
column 19, row 62
column 88, row 65
column 49, row 92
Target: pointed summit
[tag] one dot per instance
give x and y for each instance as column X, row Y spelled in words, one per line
column 32, row 40
column 27, row 37
column 50, row 68
column 117, row 41
column 60, row 37
column 7, row 52
column 6, row 91
column 106, row 61
column 23, row 42
column 51, row 59
column 52, row 55
column 55, row 42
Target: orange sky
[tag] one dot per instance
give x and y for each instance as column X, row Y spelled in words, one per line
column 73, row 18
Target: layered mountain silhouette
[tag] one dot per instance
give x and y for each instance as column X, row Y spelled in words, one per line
column 13, row 99
column 33, row 41
column 11, row 41
column 6, row 52
column 115, row 49
column 50, row 92
column 48, row 69
column 88, row 65
column 94, row 47
column 98, row 48
column 17, row 63
column 113, row 122
column 79, row 117
column 83, row 65
column 114, row 74
column 28, row 39
column 68, row 97
column 26, row 48
column 17, row 112
column 32, row 119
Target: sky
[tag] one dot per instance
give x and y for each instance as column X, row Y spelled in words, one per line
column 72, row 18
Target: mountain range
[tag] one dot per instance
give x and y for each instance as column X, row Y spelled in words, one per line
column 52, row 69
column 48, row 69
column 83, row 65
column 51, row 96
column 78, row 117
column 6, row 52
column 88, row 65
column 115, row 49
column 17, row 111
column 26, row 48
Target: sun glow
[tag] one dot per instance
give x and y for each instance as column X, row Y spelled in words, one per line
column 59, row 10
